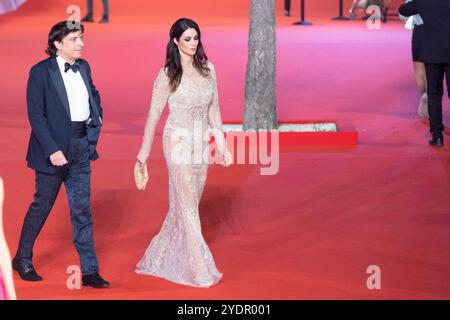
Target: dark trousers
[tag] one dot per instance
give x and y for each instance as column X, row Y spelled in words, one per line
column 287, row 5
column 435, row 90
column 76, row 177
column 90, row 6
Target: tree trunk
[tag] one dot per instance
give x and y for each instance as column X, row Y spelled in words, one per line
column 260, row 109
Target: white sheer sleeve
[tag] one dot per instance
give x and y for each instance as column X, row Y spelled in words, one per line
column 214, row 117
column 161, row 91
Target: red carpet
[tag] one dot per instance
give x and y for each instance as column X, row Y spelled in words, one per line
column 309, row 232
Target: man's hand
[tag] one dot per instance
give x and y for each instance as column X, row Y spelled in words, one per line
column 58, row 159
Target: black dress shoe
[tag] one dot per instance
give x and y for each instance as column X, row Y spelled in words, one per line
column 87, row 18
column 26, row 273
column 105, row 19
column 95, row 280
column 437, row 141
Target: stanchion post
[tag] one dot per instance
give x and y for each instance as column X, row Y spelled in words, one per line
column 302, row 21
column 341, row 12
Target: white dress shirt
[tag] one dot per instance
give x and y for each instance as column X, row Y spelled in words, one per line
column 77, row 92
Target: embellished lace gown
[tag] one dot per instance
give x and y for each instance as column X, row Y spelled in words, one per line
column 179, row 252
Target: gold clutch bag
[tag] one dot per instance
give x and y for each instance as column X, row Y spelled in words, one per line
column 140, row 175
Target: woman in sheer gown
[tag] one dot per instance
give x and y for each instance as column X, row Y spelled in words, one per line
column 187, row 84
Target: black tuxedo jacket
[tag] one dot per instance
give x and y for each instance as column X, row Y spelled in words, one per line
column 49, row 114
column 436, row 18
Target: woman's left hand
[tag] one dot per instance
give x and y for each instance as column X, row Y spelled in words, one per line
column 227, row 159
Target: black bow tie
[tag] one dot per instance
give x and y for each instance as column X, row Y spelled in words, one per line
column 74, row 67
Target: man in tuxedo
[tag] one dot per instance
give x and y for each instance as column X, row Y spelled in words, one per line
column 65, row 115
column 436, row 55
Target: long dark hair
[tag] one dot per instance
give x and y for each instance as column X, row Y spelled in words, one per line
column 173, row 60
column 58, row 32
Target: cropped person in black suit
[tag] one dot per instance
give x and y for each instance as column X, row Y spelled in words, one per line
column 287, row 8
column 436, row 56
column 90, row 12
